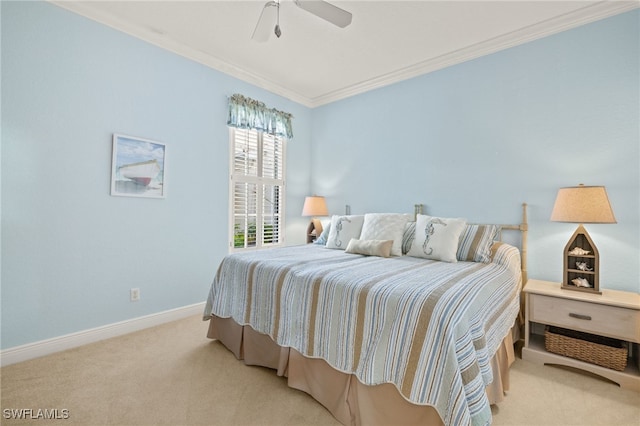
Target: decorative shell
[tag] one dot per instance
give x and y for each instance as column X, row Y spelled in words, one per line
column 581, row 282
column 583, row 266
column 579, row 251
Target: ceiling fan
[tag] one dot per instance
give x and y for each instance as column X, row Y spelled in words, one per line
column 271, row 13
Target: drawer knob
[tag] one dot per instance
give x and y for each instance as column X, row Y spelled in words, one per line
column 580, row 316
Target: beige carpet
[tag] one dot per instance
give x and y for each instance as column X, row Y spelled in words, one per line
column 172, row 374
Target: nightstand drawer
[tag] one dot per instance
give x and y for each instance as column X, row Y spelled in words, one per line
column 611, row 321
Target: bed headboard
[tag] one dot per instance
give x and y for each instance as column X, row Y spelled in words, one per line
column 523, row 227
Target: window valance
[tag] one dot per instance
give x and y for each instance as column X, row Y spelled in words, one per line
column 247, row 113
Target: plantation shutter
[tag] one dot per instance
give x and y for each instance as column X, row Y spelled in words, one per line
column 257, row 189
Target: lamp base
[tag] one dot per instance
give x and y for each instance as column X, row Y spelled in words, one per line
column 314, row 230
column 581, row 263
column 573, row 287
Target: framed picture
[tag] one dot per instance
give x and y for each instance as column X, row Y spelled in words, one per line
column 138, row 167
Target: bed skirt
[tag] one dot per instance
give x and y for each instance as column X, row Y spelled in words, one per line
column 348, row 400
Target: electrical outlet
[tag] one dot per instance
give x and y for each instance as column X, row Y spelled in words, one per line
column 134, row 294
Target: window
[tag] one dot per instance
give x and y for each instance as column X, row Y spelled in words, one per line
column 256, row 189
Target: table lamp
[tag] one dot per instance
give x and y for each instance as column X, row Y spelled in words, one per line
column 582, row 204
column 314, row 206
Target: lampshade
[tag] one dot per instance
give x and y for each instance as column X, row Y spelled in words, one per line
column 582, row 204
column 315, row 206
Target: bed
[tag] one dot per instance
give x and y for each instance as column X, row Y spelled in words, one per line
column 383, row 330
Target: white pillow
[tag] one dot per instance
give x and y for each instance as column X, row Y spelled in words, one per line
column 437, row 238
column 385, row 226
column 343, row 229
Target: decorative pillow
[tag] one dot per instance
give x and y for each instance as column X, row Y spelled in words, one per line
column 343, row 229
column 408, row 236
column 475, row 243
column 381, row 248
column 326, row 227
column 385, row 226
column 437, row 238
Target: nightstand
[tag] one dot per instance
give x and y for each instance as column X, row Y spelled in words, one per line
column 614, row 314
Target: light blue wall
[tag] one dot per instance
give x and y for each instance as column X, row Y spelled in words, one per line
column 478, row 139
column 472, row 140
column 70, row 251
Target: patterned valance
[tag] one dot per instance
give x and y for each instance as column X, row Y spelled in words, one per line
column 247, row 113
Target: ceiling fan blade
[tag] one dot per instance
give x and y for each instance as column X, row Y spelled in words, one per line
column 326, row 11
column 266, row 22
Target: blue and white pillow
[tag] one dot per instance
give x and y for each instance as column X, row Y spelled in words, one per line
column 326, row 227
column 475, row 243
column 408, row 236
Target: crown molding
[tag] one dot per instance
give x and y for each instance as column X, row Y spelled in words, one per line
column 543, row 29
column 585, row 15
column 160, row 40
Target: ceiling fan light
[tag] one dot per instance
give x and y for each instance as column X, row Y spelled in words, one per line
column 320, row 8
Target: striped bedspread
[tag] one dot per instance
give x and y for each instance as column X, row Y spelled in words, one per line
column 429, row 327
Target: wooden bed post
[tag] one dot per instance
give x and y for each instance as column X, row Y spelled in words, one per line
column 524, row 228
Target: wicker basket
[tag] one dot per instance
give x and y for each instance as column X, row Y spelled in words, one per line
column 599, row 350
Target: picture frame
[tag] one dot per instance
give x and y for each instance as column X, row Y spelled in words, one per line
column 138, row 167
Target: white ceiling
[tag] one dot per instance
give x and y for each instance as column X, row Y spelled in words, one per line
column 315, row 62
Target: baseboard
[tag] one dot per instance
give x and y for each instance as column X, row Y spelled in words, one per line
column 68, row 341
